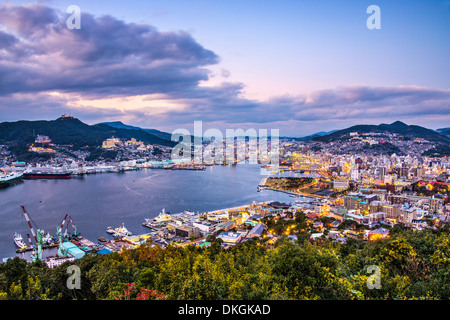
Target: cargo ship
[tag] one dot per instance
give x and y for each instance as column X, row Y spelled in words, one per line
column 47, row 175
column 10, row 179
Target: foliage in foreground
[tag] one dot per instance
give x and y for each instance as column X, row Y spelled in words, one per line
column 414, row 265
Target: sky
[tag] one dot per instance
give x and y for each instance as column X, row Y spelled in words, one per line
column 297, row 66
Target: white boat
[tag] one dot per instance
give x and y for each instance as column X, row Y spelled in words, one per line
column 122, row 231
column 119, row 232
column 163, row 216
column 18, row 240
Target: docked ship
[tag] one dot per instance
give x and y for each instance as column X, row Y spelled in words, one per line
column 44, row 174
column 119, row 232
column 163, row 216
column 122, row 231
column 10, row 179
column 18, row 240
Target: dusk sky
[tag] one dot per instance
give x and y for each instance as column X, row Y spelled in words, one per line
column 297, row 66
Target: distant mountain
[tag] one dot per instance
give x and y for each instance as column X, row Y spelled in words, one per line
column 68, row 131
column 402, row 129
column 444, row 131
column 311, row 136
column 121, row 125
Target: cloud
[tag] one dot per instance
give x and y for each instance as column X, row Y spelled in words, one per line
column 106, row 56
column 113, row 70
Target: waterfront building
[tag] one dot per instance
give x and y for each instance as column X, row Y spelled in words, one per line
column 55, row 261
column 227, row 225
column 72, row 250
column 230, row 237
column 204, row 226
column 186, row 231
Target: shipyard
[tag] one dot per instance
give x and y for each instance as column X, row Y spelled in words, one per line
column 180, row 229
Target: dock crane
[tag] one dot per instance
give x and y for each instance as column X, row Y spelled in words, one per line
column 37, row 236
column 33, row 253
column 60, row 228
column 62, row 252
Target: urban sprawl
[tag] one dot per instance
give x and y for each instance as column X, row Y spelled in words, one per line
column 337, row 194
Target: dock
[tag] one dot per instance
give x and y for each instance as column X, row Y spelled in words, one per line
column 44, row 246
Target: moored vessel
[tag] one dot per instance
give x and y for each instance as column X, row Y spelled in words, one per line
column 163, row 216
column 10, row 179
column 18, row 240
column 47, row 175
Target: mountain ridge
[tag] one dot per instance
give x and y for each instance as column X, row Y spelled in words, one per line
column 398, row 127
column 155, row 132
column 19, row 135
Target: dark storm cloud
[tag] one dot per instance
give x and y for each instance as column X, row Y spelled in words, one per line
column 106, row 56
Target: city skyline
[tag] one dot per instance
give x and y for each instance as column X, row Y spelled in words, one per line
column 300, row 67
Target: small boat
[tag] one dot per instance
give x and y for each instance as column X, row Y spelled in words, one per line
column 102, row 239
column 122, row 231
column 18, row 240
column 119, row 232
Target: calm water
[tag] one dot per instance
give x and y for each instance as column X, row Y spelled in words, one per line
column 109, row 199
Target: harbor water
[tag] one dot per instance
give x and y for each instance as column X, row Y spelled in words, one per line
column 98, row 201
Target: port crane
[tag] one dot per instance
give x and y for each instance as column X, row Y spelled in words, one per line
column 60, row 228
column 59, row 231
column 33, row 253
column 36, row 235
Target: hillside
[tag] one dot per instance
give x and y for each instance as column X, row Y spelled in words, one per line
column 444, row 131
column 397, row 137
column 121, row 125
column 67, row 131
column 311, row 136
column 398, row 127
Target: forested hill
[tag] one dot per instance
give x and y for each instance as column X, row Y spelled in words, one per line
column 70, row 131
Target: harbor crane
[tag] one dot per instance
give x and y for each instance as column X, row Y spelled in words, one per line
column 33, row 252
column 37, row 236
column 75, row 233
